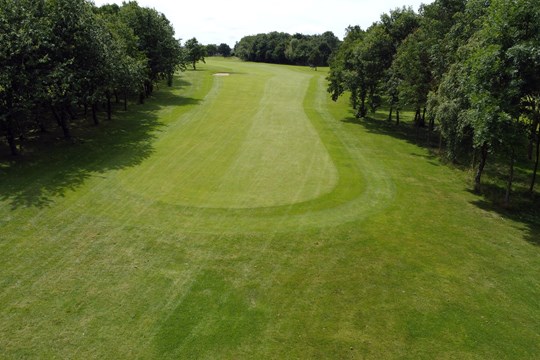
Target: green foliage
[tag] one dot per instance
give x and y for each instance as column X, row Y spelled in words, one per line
column 283, row 48
column 59, row 55
column 156, row 40
column 194, row 52
column 211, row 49
column 224, row 50
column 412, row 66
column 471, row 66
column 24, row 63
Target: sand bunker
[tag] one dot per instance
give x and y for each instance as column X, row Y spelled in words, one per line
column 222, row 74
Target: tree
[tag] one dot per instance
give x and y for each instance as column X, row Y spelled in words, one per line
column 282, row 48
column 129, row 63
column 364, row 58
column 23, row 64
column 156, row 41
column 195, row 52
column 211, row 50
column 411, row 66
column 224, row 50
column 502, row 65
column 398, row 24
column 345, row 74
column 77, row 59
column 59, row 56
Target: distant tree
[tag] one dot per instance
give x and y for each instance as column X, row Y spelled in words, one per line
column 244, row 48
column 224, row 50
column 211, row 50
column 282, row 48
column 195, row 52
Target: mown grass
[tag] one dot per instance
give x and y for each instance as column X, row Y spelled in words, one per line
column 221, row 220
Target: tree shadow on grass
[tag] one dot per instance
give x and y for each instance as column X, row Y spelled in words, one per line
column 524, row 208
column 404, row 131
column 526, row 212
column 50, row 167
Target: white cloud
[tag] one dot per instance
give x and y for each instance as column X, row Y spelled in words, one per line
column 217, row 21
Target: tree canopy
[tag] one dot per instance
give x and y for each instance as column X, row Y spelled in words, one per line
column 468, row 68
column 283, row 48
column 58, row 56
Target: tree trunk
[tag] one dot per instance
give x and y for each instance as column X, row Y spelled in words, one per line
column 510, row 180
column 56, row 116
column 141, row 97
column 64, row 124
column 10, row 137
column 397, row 116
column 417, row 119
column 533, row 181
column 148, row 88
column 109, row 107
column 390, row 112
column 363, row 109
column 71, row 113
column 483, row 159
column 532, row 136
column 40, row 124
column 94, row 114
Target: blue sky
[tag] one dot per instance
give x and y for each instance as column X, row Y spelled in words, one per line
column 227, row 21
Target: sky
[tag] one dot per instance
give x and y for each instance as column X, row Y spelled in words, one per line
column 227, row 21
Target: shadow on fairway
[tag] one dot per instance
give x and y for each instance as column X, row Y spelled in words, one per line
column 404, row 131
column 49, row 167
column 524, row 209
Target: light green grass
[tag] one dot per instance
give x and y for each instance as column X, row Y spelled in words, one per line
column 247, row 217
column 260, row 151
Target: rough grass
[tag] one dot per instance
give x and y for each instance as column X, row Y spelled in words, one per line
column 248, row 216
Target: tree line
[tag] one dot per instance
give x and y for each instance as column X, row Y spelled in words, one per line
column 217, row 50
column 467, row 68
column 63, row 58
column 283, row 48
